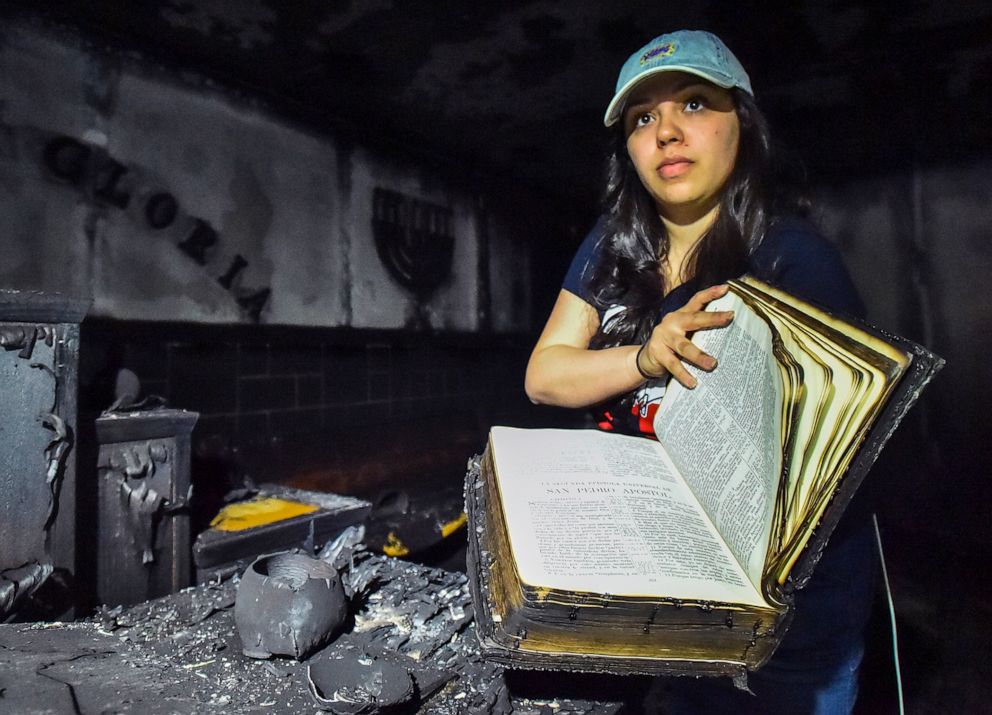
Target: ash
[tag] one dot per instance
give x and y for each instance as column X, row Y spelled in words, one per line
column 182, row 654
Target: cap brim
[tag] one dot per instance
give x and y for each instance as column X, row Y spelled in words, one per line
column 616, row 105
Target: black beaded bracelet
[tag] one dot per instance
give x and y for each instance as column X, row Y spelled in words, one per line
column 637, row 361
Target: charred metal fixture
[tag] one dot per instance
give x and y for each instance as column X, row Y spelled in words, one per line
column 219, row 552
column 143, row 544
column 55, row 454
column 358, row 684
column 415, row 241
column 288, row 604
column 39, row 334
column 143, row 508
column 17, row 585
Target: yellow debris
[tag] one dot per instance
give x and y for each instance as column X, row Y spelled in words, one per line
column 394, row 547
column 454, row 525
column 259, row 511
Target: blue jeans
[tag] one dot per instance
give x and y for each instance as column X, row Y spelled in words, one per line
column 815, row 669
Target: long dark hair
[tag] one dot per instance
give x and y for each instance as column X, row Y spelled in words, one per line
column 636, row 240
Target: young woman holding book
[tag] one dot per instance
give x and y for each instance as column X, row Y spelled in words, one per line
column 694, row 196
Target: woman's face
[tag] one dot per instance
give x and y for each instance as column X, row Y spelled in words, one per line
column 682, row 135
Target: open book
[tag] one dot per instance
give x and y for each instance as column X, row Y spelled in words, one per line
column 603, row 552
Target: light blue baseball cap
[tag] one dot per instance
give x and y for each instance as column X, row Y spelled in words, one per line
column 693, row 51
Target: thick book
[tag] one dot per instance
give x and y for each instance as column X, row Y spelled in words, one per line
column 602, row 552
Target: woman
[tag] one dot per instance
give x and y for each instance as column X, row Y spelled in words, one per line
column 693, row 198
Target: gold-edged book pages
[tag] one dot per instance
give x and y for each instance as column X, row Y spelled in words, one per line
column 602, row 552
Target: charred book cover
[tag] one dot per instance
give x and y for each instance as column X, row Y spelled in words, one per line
column 607, row 553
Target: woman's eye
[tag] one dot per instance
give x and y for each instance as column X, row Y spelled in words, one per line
column 642, row 119
column 695, row 104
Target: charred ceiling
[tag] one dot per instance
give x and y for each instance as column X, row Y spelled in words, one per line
column 516, row 89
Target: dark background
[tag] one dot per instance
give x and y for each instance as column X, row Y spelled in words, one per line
column 514, row 90
column 509, row 97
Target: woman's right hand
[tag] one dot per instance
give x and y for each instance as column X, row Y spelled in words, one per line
column 670, row 344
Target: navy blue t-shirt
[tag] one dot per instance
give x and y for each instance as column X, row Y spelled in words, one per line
column 793, row 256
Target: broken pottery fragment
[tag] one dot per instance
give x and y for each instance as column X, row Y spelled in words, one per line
column 353, row 684
column 288, row 604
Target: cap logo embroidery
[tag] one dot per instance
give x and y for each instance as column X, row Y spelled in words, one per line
column 666, row 49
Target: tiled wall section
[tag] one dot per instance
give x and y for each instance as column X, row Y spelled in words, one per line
column 266, row 389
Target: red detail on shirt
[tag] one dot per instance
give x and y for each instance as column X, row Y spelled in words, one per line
column 646, row 424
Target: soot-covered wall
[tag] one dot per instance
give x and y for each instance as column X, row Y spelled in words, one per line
column 141, row 189
column 917, row 243
column 231, row 258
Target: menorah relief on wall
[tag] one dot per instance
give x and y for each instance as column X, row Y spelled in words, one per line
column 415, row 241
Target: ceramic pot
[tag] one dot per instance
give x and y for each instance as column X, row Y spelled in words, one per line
column 288, row 604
